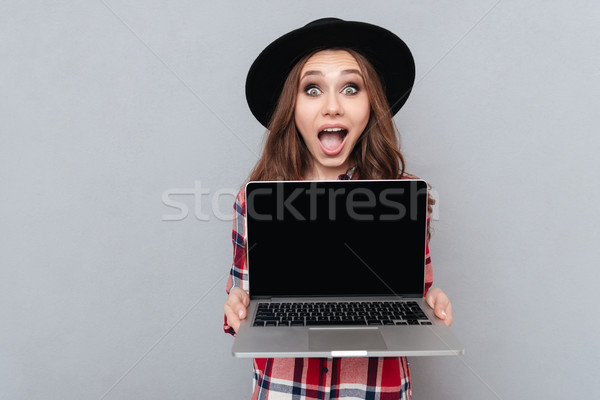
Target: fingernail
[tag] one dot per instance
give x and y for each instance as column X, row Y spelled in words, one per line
column 240, row 313
column 444, row 313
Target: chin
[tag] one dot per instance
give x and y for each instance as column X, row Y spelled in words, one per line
column 328, row 163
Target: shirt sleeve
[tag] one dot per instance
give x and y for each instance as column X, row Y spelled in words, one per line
column 238, row 275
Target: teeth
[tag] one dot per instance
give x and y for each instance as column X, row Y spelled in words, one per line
column 333, row 130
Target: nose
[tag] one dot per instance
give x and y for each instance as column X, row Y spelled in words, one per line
column 332, row 105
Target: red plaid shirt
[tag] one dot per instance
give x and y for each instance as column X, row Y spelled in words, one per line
column 319, row 378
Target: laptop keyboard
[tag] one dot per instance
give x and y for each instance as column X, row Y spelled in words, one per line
column 340, row 313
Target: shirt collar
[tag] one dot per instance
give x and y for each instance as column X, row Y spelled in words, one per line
column 348, row 175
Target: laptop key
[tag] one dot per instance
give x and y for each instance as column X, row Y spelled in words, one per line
column 266, row 318
column 335, row 323
column 297, row 323
column 347, row 322
column 321, row 322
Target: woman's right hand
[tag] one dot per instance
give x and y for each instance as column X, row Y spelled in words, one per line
column 236, row 307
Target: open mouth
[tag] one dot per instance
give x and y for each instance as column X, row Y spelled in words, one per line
column 332, row 140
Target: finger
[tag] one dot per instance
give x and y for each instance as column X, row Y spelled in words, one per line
column 232, row 319
column 432, row 297
column 245, row 299
column 234, row 309
column 448, row 319
column 430, row 301
column 444, row 313
column 240, row 310
column 440, row 306
column 238, row 294
column 440, row 311
column 234, row 299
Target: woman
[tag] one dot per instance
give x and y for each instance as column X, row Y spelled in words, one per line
column 327, row 93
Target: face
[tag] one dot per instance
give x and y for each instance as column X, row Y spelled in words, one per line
column 332, row 110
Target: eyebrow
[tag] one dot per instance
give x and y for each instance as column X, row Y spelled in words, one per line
column 344, row 72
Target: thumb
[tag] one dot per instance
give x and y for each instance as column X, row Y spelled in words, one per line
column 246, row 300
column 439, row 311
column 240, row 310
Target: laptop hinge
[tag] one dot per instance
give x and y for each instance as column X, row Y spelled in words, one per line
column 333, row 298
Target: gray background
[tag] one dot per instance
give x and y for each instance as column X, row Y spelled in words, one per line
column 107, row 105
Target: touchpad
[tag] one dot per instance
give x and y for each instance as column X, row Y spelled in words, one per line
column 324, row 339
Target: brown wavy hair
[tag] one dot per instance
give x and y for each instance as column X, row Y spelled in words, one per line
column 376, row 155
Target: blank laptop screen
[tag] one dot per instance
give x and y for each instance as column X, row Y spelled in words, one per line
column 336, row 238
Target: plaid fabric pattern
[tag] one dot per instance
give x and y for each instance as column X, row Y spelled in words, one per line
column 319, row 378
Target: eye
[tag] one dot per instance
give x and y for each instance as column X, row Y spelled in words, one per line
column 312, row 90
column 351, row 89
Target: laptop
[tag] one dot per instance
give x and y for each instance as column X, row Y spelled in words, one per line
column 337, row 269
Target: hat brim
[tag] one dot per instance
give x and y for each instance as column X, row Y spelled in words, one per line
column 388, row 54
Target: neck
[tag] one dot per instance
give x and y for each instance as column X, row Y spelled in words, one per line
column 321, row 173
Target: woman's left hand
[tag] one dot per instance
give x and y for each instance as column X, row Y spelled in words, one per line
column 442, row 308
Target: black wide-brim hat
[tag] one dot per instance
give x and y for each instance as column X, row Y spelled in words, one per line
column 388, row 54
